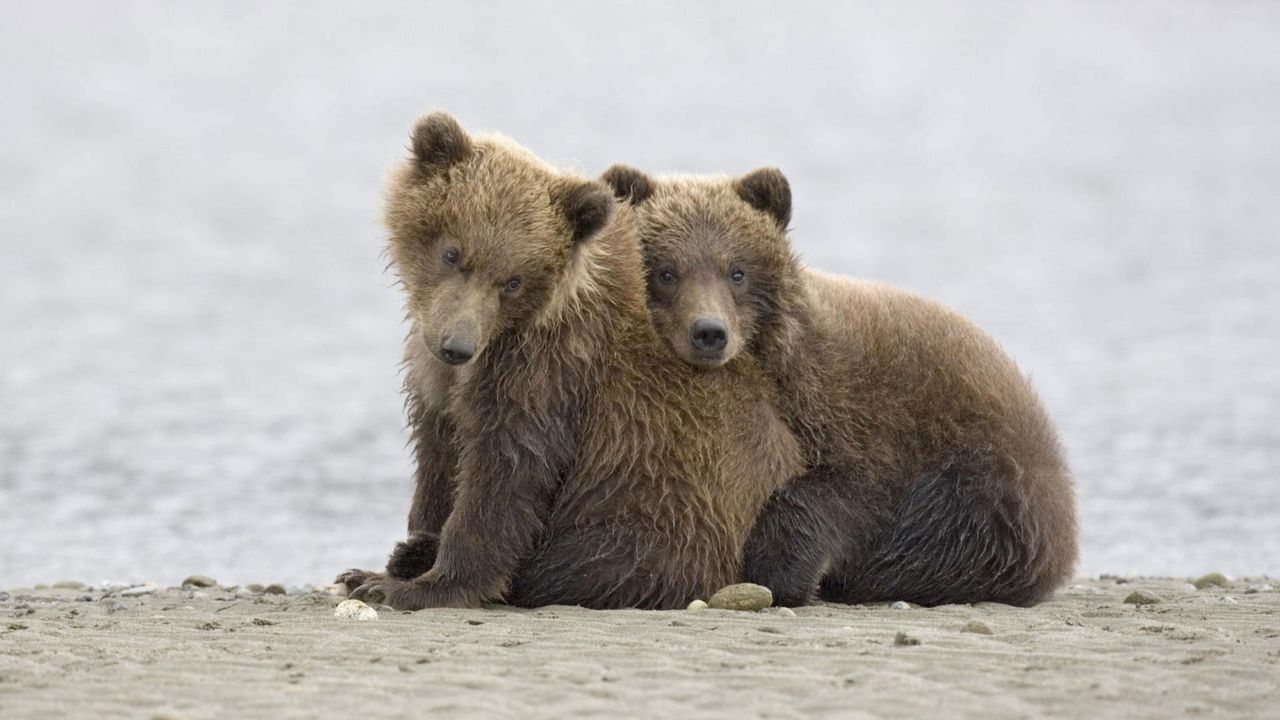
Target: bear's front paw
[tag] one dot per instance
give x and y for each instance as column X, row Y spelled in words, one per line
column 413, row 557
column 410, row 594
column 354, row 578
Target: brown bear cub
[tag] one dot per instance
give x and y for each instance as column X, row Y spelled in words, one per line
column 563, row 454
column 933, row 472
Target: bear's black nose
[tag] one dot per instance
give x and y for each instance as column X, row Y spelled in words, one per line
column 709, row 335
column 456, row 352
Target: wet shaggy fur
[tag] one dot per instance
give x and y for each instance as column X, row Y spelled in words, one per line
column 934, row 474
column 563, row 454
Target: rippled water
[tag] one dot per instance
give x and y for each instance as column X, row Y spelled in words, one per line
column 198, row 344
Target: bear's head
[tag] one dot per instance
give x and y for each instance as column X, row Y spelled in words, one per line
column 721, row 274
column 484, row 236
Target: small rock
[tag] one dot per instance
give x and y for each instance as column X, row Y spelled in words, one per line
column 354, row 610
column 1189, row 587
column 254, row 587
column 904, row 639
column 900, row 605
column 1230, row 600
column 1212, row 579
column 263, row 622
column 697, row 605
column 4, row 597
column 200, row 581
column 1252, row 589
column 786, row 612
column 68, row 585
column 475, row 622
column 977, row 626
column 274, row 589
column 742, row 596
column 1142, row 597
column 245, row 594
column 139, row 590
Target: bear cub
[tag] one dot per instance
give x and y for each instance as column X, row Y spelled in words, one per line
column 563, row 455
column 933, row 473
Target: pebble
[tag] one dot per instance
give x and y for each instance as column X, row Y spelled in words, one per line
column 786, row 612
column 68, row 585
column 1190, row 587
column 139, row 590
column 4, row 597
column 697, row 605
column 1215, row 578
column 742, row 596
column 254, row 587
column 904, row 639
column 200, row 581
column 274, row 589
column 977, row 626
column 1142, row 597
column 354, row 610
column 901, row 605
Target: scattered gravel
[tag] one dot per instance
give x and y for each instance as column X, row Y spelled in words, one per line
column 1142, row 597
column 977, row 626
column 1212, row 579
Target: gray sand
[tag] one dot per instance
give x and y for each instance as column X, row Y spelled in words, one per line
column 207, row 654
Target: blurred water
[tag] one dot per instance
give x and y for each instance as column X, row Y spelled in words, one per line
column 198, row 344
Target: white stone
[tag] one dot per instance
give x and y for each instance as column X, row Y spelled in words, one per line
column 139, row 590
column 697, row 605
column 901, row 605
column 354, row 610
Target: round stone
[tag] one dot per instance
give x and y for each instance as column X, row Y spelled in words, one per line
column 742, row 596
column 354, row 610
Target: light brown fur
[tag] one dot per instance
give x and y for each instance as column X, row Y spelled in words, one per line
column 935, row 475
column 571, row 459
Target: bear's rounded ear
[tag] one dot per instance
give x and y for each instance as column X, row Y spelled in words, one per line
column 587, row 206
column 439, row 141
column 767, row 189
column 628, row 183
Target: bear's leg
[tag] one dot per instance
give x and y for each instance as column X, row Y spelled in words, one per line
column 955, row 538
column 806, row 525
column 597, row 567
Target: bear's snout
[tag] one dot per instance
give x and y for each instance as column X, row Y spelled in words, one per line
column 457, row 351
column 709, row 335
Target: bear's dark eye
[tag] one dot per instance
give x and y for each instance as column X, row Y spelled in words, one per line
column 451, row 256
column 667, row 277
column 737, row 276
column 513, row 284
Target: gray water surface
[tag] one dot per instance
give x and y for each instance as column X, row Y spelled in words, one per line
column 198, row 343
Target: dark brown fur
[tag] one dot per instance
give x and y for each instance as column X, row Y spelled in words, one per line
column 935, row 475
column 572, row 459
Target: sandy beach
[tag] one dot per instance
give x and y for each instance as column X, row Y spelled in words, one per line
column 210, row 652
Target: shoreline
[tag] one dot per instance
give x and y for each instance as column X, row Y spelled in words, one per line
column 196, row 652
